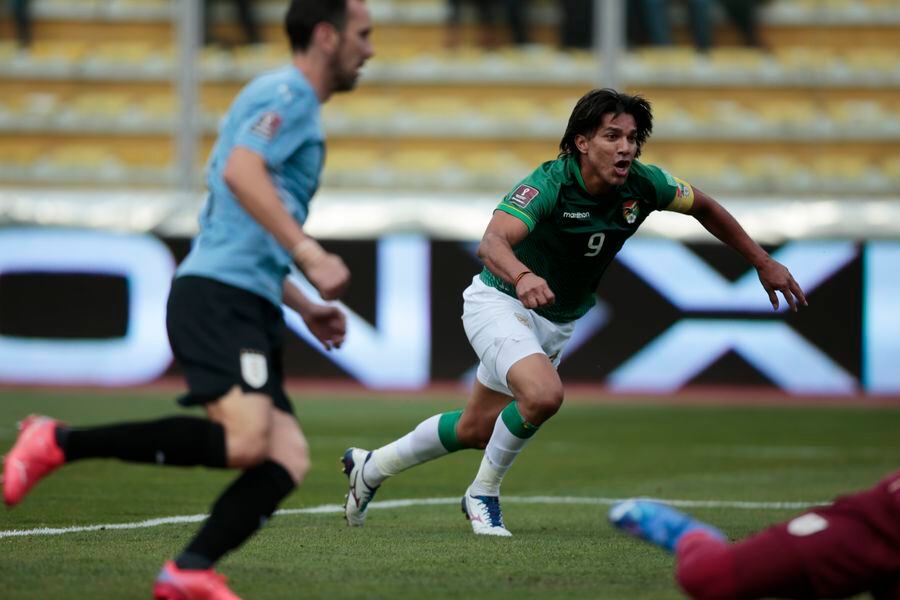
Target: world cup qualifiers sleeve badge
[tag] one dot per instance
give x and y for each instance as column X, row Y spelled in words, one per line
column 267, row 125
column 523, row 195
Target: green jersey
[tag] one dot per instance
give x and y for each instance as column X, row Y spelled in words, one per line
column 573, row 236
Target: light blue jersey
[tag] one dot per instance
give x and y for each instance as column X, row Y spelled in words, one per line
column 277, row 116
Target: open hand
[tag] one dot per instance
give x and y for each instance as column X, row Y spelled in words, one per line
column 774, row 276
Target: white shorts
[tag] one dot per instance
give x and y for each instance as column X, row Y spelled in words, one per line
column 503, row 332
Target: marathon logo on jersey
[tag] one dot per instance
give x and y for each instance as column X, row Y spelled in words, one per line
column 523, row 195
column 630, row 210
column 254, row 369
column 267, row 125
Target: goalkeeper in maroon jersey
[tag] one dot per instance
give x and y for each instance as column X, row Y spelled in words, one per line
column 836, row 551
column 544, row 252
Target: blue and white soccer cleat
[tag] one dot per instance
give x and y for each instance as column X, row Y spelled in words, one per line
column 484, row 513
column 657, row 523
column 360, row 493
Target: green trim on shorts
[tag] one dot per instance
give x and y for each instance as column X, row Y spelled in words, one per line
column 516, row 423
column 447, row 430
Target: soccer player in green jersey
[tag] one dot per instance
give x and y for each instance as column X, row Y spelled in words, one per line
column 544, row 251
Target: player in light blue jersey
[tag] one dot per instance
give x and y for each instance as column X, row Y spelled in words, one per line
column 224, row 314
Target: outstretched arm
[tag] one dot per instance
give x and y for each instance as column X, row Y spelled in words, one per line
column 248, row 178
column 326, row 322
column 772, row 274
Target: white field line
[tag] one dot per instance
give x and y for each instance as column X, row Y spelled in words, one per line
column 387, row 504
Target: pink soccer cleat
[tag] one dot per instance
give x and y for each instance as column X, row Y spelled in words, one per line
column 34, row 455
column 173, row 583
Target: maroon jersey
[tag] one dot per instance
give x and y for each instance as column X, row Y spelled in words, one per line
column 837, row 551
column 853, row 545
column 879, row 507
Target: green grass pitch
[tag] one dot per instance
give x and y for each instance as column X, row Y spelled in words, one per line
column 589, row 450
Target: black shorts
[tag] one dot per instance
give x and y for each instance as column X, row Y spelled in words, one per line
column 224, row 336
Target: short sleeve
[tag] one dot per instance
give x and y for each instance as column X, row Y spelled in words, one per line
column 671, row 193
column 532, row 200
column 277, row 129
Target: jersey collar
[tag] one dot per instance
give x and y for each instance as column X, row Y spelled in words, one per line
column 575, row 172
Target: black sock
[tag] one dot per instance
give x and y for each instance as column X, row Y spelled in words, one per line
column 241, row 509
column 181, row 441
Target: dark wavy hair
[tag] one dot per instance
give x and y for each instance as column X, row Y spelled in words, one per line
column 303, row 16
column 589, row 111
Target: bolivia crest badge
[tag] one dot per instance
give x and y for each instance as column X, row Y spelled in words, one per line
column 630, row 210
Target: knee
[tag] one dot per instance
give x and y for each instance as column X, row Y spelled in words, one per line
column 247, row 419
column 294, row 457
column 474, row 434
column 540, row 401
column 290, row 450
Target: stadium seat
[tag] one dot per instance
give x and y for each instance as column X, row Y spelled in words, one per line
column 422, row 95
column 891, row 170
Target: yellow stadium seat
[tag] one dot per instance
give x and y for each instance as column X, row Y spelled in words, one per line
column 730, row 58
column 891, row 169
column 370, row 107
column 522, row 110
column 343, row 160
column 158, row 105
column 788, row 112
column 765, row 173
column 100, row 104
column 842, row 173
column 441, row 107
column 57, row 51
column 354, row 168
column 714, row 173
column 81, row 156
column 143, row 4
column 804, row 58
column 21, row 154
column 37, row 103
column 424, row 169
column 8, row 49
column 123, row 52
column 841, row 166
column 493, row 170
column 421, row 160
column 868, row 59
column 858, row 111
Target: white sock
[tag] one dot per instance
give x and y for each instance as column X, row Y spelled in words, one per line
column 501, row 451
column 416, row 447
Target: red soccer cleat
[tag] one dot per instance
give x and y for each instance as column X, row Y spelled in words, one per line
column 173, row 583
column 34, row 455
